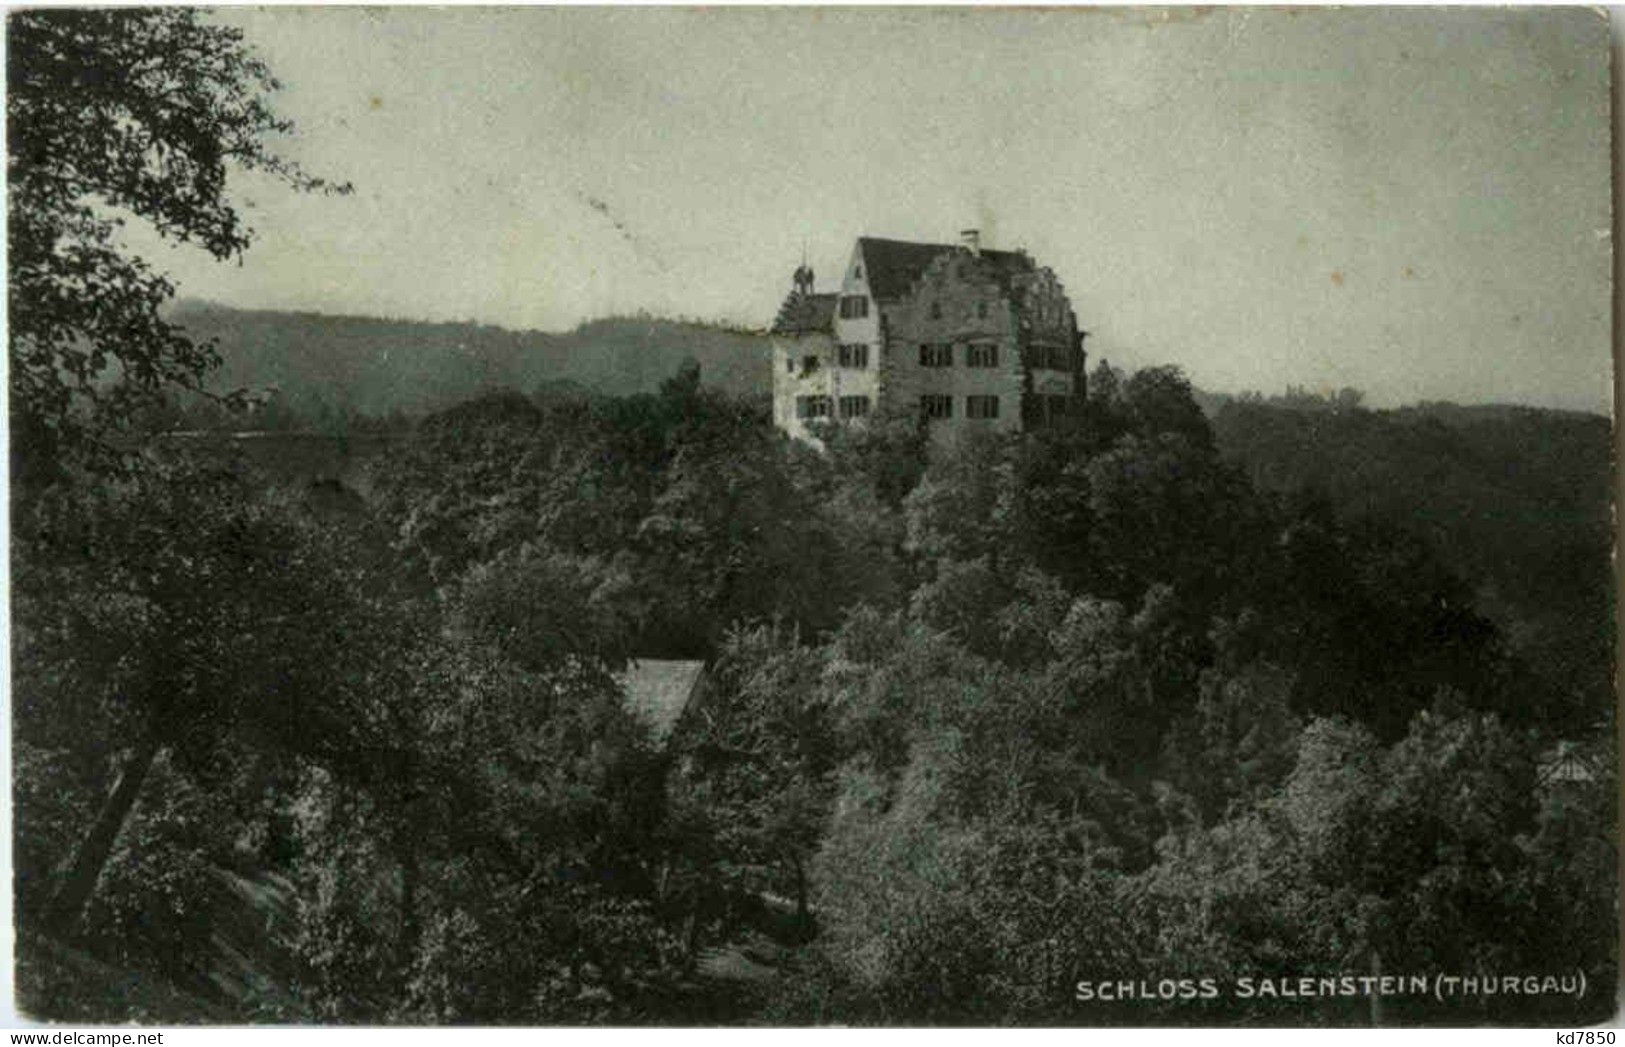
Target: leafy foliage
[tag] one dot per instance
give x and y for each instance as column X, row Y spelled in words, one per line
column 112, row 113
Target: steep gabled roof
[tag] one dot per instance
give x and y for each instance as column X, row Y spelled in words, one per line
column 806, row 314
column 892, row 266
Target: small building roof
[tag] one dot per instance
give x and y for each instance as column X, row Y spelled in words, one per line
column 1567, row 762
column 658, row 690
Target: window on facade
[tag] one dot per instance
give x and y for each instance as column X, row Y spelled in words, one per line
column 809, row 364
column 981, row 407
column 854, row 307
column 1045, row 410
column 936, row 355
column 812, row 407
column 936, row 310
column 854, row 407
column 935, row 406
column 790, row 364
column 981, row 356
column 981, row 310
column 1051, row 357
column 854, row 356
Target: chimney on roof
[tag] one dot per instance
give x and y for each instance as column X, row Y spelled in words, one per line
column 972, row 240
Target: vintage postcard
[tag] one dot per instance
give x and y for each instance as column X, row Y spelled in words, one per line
column 811, row 516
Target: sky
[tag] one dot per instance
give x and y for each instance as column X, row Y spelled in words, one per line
column 1413, row 202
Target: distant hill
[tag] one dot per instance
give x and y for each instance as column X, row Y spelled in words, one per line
column 1518, row 499
column 318, row 364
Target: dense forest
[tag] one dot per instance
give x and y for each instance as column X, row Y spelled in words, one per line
column 1516, row 499
column 982, row 722
column 990, row 729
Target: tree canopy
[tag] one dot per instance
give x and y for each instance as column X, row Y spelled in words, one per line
column 115, row 113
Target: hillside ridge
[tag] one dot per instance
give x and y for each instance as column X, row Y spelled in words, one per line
column 319, row 364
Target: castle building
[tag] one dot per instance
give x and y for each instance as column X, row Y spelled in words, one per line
column 962, row 337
